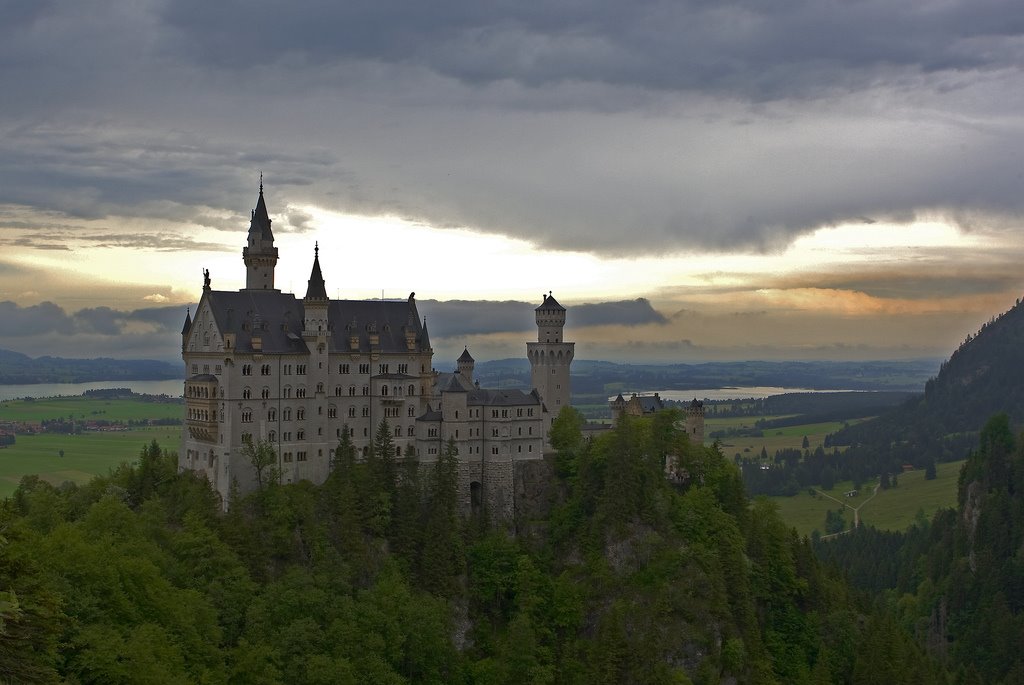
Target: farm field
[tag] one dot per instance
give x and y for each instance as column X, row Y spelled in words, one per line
column 773, row 439
column 892, row 509
column 88, row 408
column 85, row 455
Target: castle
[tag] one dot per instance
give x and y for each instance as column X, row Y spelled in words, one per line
column 265, row 365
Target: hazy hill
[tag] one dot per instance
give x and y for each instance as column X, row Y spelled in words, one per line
column 20, row 369
column 984, row 376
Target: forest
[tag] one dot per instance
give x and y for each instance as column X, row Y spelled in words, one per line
column 957, row 581
column 377, row 577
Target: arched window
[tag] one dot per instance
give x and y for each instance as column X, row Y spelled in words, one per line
column 272, row 436
column 412, row 390
column 247, row 393
column 384, row 390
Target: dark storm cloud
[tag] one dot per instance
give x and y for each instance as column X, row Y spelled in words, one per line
column 47, row 318
column 623, row 313
column 611, row 127
column 458, row 318
column 760, row 49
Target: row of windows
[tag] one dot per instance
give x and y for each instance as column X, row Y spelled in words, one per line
column 206, row 369
column 202, row 415
column 299, row 456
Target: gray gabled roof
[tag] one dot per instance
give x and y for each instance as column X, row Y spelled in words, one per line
column 500, row 398
column 280, row 317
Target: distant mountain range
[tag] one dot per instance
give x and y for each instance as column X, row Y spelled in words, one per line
column 601, row 379
column 20, row 369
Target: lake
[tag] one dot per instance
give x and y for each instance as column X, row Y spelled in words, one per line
column 174, row 388
column 741, row 393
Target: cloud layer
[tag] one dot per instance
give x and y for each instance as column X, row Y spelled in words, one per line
column 634, row 127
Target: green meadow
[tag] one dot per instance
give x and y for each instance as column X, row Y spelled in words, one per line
column 86, row 454
column 87, row 408
column 892, row 509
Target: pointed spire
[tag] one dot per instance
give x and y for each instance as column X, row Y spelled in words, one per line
column 188, row 321
column 260, row 224
column 316, row 289
column 466, row 356
column 424, row 337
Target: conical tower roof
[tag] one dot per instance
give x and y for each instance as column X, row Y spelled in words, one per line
column 550, row 303
column 188, row 322
column 466, row 356
column 316, row 290
column 259, row 226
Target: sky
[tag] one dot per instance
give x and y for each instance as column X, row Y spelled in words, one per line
column 694, row 180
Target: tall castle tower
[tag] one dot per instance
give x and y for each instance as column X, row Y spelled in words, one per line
column 259, row 253
column 550, row 358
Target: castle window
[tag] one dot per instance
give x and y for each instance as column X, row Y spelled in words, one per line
column 217, row 369
column 266, row 393
column 247, row 416
column 351, row 412
column 456, row 413
column 300, row 414
column 319, row 387
column 364, row 368
column 519, row 412
column 287, row 369
column 366, row 390
column 300, row 393
column 351, row 391
column 343, row 368
column 366, row 412
column 265, row 370
column 332, row 412
column 287, row 392
column 337, row 391
column 520, row 449
column 384, row 390
column 272, row 436
column 494, row 450
column 494, row 432
column 412, row 431
column 529, row 448
column 412, row 390
column 288, row 457
column 300, row 435
column 206, row 368
column 246, row 369
column 412, row 411
column 300, row 369
column 246, row 394
column 494, row 413
column 195, row 369
column 529, row 412
column 272, row 415
column 403, row 368
column 382, row 368
column 398, row 431
column 287, row 414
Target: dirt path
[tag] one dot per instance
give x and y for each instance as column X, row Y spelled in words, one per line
column 855, row 510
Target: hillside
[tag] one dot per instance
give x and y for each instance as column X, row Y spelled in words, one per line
column 374, row 577
column 20, row 369
column 984, row 376
column 959, row 579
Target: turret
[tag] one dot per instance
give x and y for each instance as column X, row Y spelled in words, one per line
column 259, row 253
column 550, row 359
column 550, row 320
column 186, row 328
column 695, row 422
column 465, row 365
column 315, row 303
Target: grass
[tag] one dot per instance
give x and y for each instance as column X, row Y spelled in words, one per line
column 88, row 408
column 774, row 439
column 86, row 454
column 892, row 509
